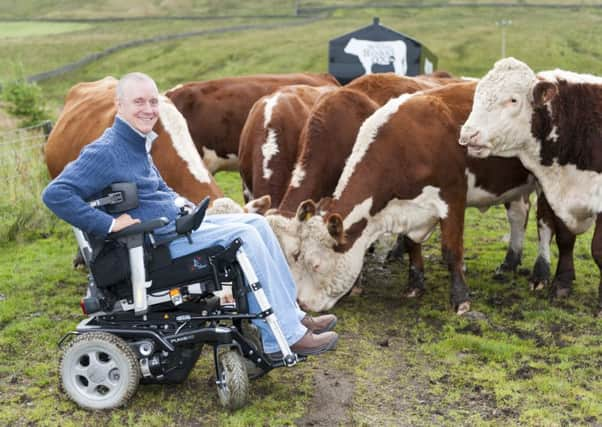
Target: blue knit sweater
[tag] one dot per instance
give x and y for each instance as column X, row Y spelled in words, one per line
column 119, row 155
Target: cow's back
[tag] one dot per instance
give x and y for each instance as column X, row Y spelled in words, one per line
column 269, row 141
column 216, row 110
column 325, row 143
column 89, row 109
column 384, row 86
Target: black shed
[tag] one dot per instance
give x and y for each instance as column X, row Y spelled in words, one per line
column 377, row 49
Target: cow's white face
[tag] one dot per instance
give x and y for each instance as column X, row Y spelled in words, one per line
column 286, row 230
column 322, row 275
column 500, row 121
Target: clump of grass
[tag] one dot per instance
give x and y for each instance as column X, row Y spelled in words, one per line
column 24, row 176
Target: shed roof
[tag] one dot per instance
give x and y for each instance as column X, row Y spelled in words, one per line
column 374, row 29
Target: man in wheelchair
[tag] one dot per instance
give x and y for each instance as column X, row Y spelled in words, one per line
column 120, row 155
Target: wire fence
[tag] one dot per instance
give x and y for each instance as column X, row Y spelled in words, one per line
column 22, row 157
column 23, row 175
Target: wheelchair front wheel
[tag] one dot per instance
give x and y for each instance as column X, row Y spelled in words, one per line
column 99, row 371
column 233, row 381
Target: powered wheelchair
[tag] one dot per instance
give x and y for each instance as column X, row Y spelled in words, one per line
column 150, row 315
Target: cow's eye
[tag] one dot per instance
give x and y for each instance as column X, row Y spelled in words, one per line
column 513, row 100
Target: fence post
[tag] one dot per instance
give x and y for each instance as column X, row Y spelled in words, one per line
column 47, row 126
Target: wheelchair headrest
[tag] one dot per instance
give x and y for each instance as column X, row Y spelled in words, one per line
column 186, row 224
column 117, row 197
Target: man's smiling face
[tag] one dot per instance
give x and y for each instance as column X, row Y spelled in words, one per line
column 139, row 104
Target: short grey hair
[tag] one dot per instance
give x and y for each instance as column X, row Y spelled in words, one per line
column 129, row 77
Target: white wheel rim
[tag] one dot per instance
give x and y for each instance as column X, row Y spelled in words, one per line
column 97, row 373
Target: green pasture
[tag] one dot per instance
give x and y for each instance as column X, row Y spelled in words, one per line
column 37, row 29
column 518, row 359
column 90, row 9
column 466, row 40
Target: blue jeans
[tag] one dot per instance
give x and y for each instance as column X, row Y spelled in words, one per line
column 264, row 252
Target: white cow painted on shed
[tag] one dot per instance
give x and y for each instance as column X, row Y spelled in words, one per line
column 379, row 52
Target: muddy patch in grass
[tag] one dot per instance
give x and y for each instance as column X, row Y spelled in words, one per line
column 331, row 401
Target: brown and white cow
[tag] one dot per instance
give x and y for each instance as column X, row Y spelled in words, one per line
column 216, row 110
column 326, row 144
column 552, row 122
column 90, row 109
column 269, row 139
column 326, row 141
column 400, row 161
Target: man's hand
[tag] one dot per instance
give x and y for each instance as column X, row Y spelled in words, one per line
column 123, row 221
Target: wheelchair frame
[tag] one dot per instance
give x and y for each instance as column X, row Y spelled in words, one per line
column 157, row 338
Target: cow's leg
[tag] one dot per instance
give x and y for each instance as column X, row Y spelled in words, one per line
column 540, row 278
column 452, row 248
column 415, row 286
column 246, row 192
column 398, row 249
column 517, row 213
column 565, row 270
column 597, row 255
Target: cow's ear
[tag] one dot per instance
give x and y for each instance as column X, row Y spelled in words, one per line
column 306, row 210
column 544, row 92
column 260, row 205
column 334, row 223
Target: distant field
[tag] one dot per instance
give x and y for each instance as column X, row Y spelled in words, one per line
column 37, row 29
column 86, row 9
column 466, row 40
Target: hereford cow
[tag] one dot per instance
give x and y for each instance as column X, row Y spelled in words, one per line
column 269, row 140
column 553, row 123
column 404, row 175
column 90, row 109
column 216, row 110
column 320, row 164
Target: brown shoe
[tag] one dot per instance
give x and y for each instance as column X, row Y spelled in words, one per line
column 312, row 344
column 319, row 324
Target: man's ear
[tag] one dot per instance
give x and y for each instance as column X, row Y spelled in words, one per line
column 543, row 92
column 306, row 210
column 334, row 224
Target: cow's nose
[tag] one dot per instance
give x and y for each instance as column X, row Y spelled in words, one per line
column 469, row 136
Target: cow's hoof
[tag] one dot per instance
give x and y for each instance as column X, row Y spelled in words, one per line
column 537, row 286
column 414, row 293
column 500, row 276
column 563, row 292
column 463, row 308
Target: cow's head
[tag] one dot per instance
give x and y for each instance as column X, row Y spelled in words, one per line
column 323, row 273
column 286, row 228
column 501, row 119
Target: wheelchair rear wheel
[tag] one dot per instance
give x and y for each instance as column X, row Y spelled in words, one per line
column 233, row 381
column 99, row 371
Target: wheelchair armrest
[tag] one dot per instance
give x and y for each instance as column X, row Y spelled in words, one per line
column 187, row 223
column 143, row 227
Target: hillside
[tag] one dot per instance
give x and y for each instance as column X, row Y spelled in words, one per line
column 518, row 359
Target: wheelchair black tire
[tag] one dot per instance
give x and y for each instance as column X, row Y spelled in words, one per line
column 233, row 391
column 124, row 377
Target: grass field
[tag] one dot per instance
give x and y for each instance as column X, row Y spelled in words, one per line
column 519, row 359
